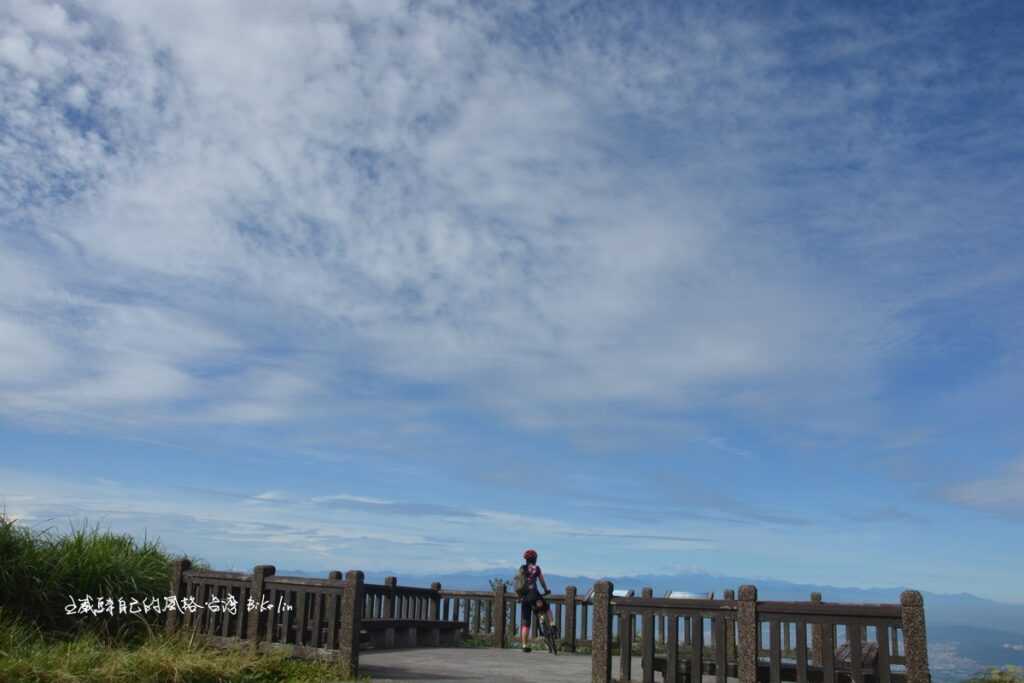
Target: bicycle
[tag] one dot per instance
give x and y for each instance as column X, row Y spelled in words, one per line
column 547, row 630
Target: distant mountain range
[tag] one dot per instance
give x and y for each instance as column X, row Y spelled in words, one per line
column 965, row 633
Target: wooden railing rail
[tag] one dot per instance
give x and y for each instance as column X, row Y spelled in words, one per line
column 760, row 641
column 827, row 609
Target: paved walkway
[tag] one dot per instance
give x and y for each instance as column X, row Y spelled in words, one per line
column 477, row 665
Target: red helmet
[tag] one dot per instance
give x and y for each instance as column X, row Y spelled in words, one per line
column 530, row 555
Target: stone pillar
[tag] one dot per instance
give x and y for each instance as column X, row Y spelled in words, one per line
column 730, row 629
column 351, row 620
column 647, row 638
column 915, row 641
column 389, row 597
column 434, row 609
column 646, row 592
column 570, row 618
column 585, row 608
column 498, row 616
column 746, row 618
column 601, row 645
column 817, row 649
column 331, row 642
column 257, row 617
column 178, row 569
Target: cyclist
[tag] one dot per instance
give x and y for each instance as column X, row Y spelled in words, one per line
column 533, row 600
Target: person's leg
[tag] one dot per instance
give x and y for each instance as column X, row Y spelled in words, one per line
column 524, row 630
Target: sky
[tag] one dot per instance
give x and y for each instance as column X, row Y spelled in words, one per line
column 412, row 286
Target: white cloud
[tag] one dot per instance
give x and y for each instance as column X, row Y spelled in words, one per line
column 16, row 50
column 48, row 18
column 346, row 497
column 127, row 380
column 411, row 197
column 26, row 354
column 287, row 534
column 295, row 223
column 270, row 496
column 78, row 96
column 1002, row 494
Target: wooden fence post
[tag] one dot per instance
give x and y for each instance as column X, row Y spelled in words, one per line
column 351, row 620
column 817, row 649
column 645, row 592
column 647, row 639
column 730, row 629
column 435, row 602
column 601, row 645
column 749, row 635
column 498, row 616
column 570, row 618
column 332, row 617
column 915, row 640
column 389, row 597
column 433, row 613
column 488, row 616
column 178, row 569
column 255, row 631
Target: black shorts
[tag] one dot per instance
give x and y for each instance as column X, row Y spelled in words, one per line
column 528, row 605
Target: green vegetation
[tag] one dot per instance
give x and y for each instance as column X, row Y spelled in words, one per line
column 1008, row 674
column 476, row 641
column 27, row 655
column 40, row 572
column 497, row 581
column 40, row 643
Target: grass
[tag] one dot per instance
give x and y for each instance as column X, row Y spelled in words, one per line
column 28, row 655
column 476, row 641
column 40, row 571
column 1008, row 674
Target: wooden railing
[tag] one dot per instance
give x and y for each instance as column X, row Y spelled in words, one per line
column 305, row 617
column 756, row 642
column 391, row 601
column 876, row 626
column 316, row 619
column 764, row 642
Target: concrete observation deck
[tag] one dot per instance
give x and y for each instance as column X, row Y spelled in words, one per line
column 480, row 665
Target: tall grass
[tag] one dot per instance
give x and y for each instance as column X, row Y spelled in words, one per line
column 41, row 572
column 27, row 655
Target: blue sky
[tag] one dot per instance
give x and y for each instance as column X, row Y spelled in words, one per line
column 413, row 286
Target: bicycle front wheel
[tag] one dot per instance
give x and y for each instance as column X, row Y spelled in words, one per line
column 549, row 634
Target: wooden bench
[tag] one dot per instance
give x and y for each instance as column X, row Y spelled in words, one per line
column 386, row 634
